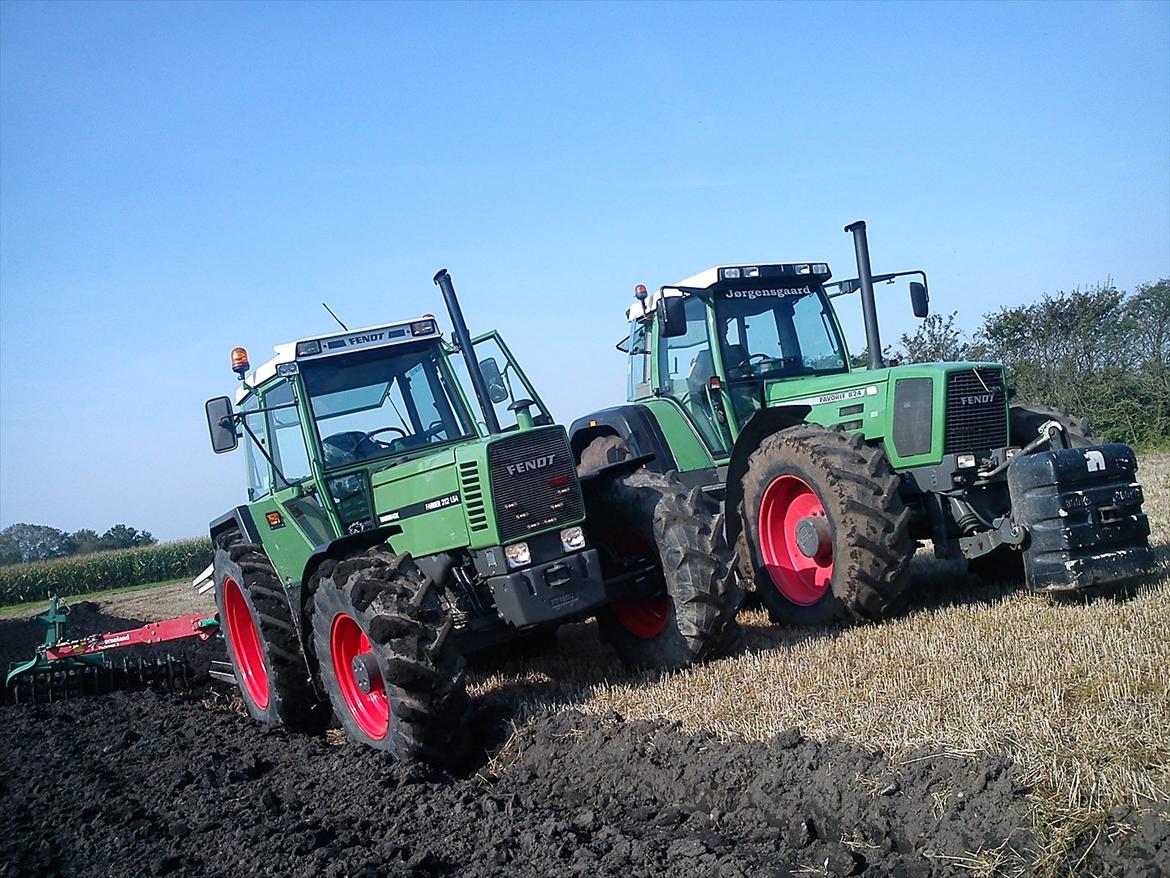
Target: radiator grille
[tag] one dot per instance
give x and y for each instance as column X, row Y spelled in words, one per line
column 976, row 414
column 472, row 490
column 534, row 483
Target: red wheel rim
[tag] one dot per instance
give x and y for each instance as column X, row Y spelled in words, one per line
column 646, row 620
column 370, row 710
column 245, row 639
column 801, row 579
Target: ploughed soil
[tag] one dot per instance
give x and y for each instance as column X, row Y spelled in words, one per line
column 154, row 784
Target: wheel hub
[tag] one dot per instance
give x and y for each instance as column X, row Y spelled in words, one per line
column 366, row 674
column 813, row 536
column 796, row 541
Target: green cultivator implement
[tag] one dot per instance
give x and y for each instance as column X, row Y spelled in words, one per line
column 64, row 668
column 830, row 473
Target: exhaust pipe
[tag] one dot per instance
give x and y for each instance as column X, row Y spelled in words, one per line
column 463, row 338
column 868, row 305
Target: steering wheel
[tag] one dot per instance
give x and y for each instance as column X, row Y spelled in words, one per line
column 435, row 428
column 397, row 430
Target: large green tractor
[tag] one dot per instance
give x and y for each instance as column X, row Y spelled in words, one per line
column 391, row 529
column 830, row 473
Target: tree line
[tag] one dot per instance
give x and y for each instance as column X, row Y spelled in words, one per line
column 23, row 543
column 1100, row 353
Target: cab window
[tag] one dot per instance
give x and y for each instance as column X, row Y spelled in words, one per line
column 288, row 442
column 254, row 460
column 637, row 347
column 686, row 367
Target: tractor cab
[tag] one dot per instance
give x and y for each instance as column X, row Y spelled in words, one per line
column 723, row 336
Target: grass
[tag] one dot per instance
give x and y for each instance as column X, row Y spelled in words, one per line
column 42, row 603
column 1077, row 692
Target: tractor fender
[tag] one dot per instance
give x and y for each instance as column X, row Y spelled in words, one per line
column 762, row 424
column 239, row 519
column 635, row 425
column 339, row 548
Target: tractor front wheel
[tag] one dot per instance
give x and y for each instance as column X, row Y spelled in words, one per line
column 388, row 658
column 647, row 515
column 261, row 639
column 827, row 532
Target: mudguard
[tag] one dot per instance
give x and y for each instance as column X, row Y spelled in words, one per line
column 239, row 519
column 637, row 427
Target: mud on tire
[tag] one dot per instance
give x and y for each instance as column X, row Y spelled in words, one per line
column 847, row 489
column 379, row 605
column 601, row 452
column 262, row 641
column 653, row 514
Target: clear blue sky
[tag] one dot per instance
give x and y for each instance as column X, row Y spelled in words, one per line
column 179, row 179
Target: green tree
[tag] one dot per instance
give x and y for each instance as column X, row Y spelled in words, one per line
column 85, row 541
column 936, row 340
column 1098, row 352
column 32, row 542
column 122, row 537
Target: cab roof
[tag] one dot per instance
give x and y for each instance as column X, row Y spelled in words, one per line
column 317, row 347
column 722, row 277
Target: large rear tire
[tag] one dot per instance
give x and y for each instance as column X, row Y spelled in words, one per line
column 262, row 642
column 601, row 452
column 387, row 656
column 1026, row 419
column 828, row 534
column 647, row 514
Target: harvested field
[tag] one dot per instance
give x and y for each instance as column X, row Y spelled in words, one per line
column 986, row 730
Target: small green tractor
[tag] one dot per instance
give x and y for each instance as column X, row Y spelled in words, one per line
column 391, row 529
column 830, row 473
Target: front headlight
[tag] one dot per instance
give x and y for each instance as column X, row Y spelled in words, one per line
column 572, row 539
column 518, row 554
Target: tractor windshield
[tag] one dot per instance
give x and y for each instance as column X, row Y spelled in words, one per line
column 779, row 333
column 376, row 403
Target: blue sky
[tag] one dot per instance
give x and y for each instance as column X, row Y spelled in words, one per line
column 179, row 179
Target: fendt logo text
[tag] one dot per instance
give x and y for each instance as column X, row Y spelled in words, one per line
column 530, row 466
column 978, row 399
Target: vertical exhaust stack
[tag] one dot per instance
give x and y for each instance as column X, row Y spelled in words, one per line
column 463, row 337
column 868, row 305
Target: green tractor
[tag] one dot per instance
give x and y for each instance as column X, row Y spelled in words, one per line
column 390, row 531
column 830, row 473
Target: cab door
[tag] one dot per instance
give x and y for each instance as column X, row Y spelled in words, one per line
column 512, row 384
column 686, row 364
column 293, row 520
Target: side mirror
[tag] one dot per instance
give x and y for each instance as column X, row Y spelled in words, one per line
column 919, row 299
column 672, row 314
column 496, row 386
column 222, row 425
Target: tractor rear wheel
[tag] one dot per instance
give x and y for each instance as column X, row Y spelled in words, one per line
column 828, row 534
column 652, row 515
column 388, row 658
column 601, row 452
column 262, row 642
column 1026, row 419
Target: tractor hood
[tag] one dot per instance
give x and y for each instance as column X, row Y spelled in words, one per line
column 922, row 411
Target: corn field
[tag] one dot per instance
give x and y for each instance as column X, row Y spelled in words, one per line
column 103, row 570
